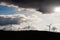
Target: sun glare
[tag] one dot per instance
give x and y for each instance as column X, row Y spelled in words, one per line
column 57, row 9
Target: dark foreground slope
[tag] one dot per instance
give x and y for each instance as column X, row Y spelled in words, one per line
column 31, row 35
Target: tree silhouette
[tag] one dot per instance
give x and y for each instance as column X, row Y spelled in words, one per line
column 54, row 28
column 27, row 27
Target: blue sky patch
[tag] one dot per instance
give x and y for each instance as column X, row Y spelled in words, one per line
column 7, row 10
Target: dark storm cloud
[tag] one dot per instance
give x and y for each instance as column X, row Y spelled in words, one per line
column 8, row 21
column 40, row 5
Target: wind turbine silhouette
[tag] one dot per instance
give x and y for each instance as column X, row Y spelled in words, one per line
column 49, row 26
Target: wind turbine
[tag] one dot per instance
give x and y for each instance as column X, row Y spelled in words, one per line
column 49, row 26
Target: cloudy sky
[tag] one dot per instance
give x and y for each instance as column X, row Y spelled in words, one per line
column 23, row 13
